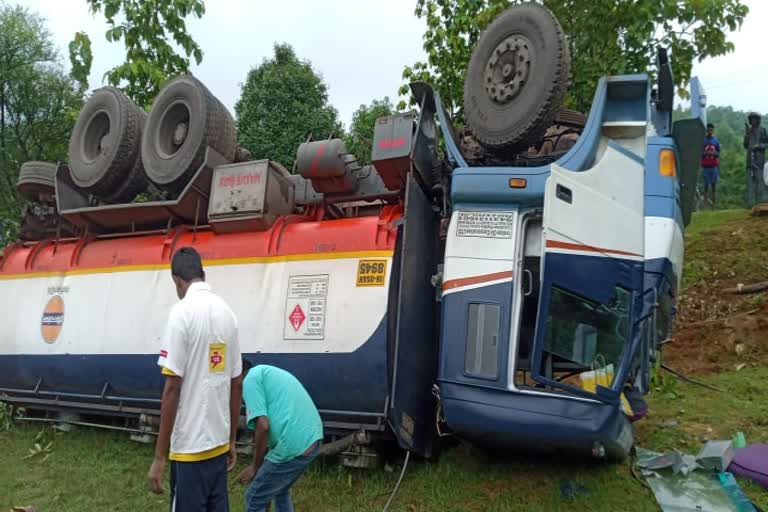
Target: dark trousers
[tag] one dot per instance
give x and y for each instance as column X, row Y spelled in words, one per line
column 274, row 480
column 200, row 486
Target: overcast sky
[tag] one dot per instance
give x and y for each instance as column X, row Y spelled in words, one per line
column 361, row 46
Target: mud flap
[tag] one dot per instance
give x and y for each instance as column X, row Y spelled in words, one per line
column 412, row 408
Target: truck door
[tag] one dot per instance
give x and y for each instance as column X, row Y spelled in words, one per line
column 594, row 231
column 412, row 411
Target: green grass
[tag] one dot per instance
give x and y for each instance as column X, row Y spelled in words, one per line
column 96, row 470
column 725, row 245
column 707, row 220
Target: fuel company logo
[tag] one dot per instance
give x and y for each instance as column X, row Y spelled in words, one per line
column 217, row 357
column 53, row 319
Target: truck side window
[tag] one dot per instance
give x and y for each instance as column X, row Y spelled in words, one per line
column 481, row 357
column 585, row 332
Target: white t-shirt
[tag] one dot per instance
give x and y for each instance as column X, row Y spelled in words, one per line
column 200, row 345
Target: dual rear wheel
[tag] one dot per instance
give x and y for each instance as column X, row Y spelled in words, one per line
column 116, row 149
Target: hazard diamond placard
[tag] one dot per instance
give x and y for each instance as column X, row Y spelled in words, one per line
column 305, row 307
column 297, row 317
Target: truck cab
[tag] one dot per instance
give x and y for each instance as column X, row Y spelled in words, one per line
column 559, row 281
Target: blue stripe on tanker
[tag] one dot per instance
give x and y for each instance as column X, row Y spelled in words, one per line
column 355, row 381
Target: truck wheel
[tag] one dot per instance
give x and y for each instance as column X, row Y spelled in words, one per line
column 36, row 178
column 185, row 118
column 516, row 79
column 135, row 183
column 105, row 142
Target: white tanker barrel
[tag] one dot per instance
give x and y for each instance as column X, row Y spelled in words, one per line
column 83, row 319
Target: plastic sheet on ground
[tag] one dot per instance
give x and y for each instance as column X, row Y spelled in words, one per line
column 695, row 491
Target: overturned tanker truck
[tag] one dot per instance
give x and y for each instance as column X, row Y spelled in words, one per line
column 510, row 283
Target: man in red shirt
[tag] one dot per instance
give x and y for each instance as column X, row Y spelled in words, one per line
column 710, row 164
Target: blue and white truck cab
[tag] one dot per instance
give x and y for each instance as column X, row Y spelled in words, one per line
column 559, row 281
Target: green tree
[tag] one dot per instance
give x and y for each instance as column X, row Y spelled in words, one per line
column 605, row 37
column 147, row 28
column 80, row 58
column 282, row 103
column 24, row 41
column 38, row 105
column 359, row 140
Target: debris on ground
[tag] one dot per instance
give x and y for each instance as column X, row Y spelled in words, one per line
column 751, row 462
column 570, row 490
column 679, row 463
column 735, row 493
column 697, row 491
column 742, row 288
column 24, row 509
column 684, row 482
column 716, row 455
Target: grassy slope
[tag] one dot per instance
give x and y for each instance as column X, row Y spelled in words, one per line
column 96, row 471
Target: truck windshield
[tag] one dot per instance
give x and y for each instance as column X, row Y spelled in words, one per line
column 587, row 333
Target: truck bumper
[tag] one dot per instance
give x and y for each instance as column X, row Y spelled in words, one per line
column 524, row 422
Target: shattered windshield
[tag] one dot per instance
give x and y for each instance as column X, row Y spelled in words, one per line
column 585, row 332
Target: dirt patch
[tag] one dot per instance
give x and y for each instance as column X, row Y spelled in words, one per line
column 714, row 330
column 716, row 343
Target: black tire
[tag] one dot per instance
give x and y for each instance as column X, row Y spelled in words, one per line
column 185, row 118
column 517, row 78
column 36, row 178
column 108, row 116
column 134, row 184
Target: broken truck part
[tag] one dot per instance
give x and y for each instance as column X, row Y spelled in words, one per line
column 517, row 296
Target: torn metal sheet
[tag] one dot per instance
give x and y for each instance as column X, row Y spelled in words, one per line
column 684, row 490
column 678, row 462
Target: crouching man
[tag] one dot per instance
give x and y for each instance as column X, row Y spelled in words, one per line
column 287, row 436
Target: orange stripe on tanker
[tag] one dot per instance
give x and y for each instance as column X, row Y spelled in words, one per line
column 360, row 237
column 207, row 263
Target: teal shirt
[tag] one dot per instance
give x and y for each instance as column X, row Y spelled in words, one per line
column 294, row 423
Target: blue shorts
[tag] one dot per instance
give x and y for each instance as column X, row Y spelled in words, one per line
column 711, row 175
column 200, row 486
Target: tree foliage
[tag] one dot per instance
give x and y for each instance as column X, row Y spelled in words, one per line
column 38, row 105
column 283, row 102
column 80, row 58
column 147, row 28
column 359, row 139
column 605, row 37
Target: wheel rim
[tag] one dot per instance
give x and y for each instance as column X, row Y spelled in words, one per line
column 507, row 69
column 173, row 129
column 96, row 139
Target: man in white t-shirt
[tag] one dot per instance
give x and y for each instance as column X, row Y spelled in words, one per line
column 200, row 357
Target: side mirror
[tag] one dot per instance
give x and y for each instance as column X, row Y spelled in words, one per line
column 665, row 95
